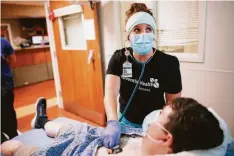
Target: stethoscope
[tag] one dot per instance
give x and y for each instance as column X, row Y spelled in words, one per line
column 127, row 54
column 117, row 148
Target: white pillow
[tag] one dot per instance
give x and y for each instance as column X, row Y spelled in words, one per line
column 217, row 151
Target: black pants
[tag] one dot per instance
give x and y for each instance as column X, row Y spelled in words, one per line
column 8, row 115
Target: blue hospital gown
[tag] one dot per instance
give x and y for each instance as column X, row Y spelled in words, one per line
column 80, row 139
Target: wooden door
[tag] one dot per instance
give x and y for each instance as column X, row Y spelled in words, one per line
column 81, row 77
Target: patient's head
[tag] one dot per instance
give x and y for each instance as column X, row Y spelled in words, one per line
column 182, row 125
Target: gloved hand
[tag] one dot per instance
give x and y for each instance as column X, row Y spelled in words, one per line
column 111, row 135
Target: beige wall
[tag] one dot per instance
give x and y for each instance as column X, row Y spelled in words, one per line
column 211, row 82
column 11, row 12
column 19, row 11
column 109, row 28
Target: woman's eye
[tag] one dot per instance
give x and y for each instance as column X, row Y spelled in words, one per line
column 136, row 30
column 148, row 30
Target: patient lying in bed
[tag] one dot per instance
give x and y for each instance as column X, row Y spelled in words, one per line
column 182, row 125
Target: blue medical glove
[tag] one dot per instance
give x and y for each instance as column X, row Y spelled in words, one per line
column 111, row 135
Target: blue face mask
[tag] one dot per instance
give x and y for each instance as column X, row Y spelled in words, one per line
column 142, row 43
column 149, row 119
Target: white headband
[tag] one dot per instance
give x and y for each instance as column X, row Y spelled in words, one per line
column 140, row 18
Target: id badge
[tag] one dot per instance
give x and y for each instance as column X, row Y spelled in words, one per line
column 127, row 69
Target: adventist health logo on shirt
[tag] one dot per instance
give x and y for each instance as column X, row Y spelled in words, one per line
column 152, row 82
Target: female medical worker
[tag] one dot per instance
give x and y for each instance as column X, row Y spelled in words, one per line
column 161, row 76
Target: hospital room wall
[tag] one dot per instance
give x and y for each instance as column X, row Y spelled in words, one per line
column 110, row 30
column 210, row 82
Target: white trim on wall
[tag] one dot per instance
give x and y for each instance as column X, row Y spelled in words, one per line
column 213, row 70
column 72, row 9
column 53, row 56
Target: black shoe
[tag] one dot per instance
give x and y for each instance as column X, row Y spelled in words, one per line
column 40, row 113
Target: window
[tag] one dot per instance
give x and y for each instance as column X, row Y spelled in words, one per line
column 177, row 26
column 73, row 31
column 180, row 27
column 71, row 27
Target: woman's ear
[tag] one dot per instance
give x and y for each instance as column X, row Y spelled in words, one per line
column 168, row 140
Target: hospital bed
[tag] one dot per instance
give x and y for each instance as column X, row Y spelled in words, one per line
column 38, row 138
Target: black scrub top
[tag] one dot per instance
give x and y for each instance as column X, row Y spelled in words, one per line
column 162, row 75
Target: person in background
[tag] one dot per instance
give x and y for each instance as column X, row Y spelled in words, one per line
column 8, row 114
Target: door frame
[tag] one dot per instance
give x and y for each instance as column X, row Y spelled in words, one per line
column 53, row 55
column 9, row 31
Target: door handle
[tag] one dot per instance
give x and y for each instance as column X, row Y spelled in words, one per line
column 90, row 56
